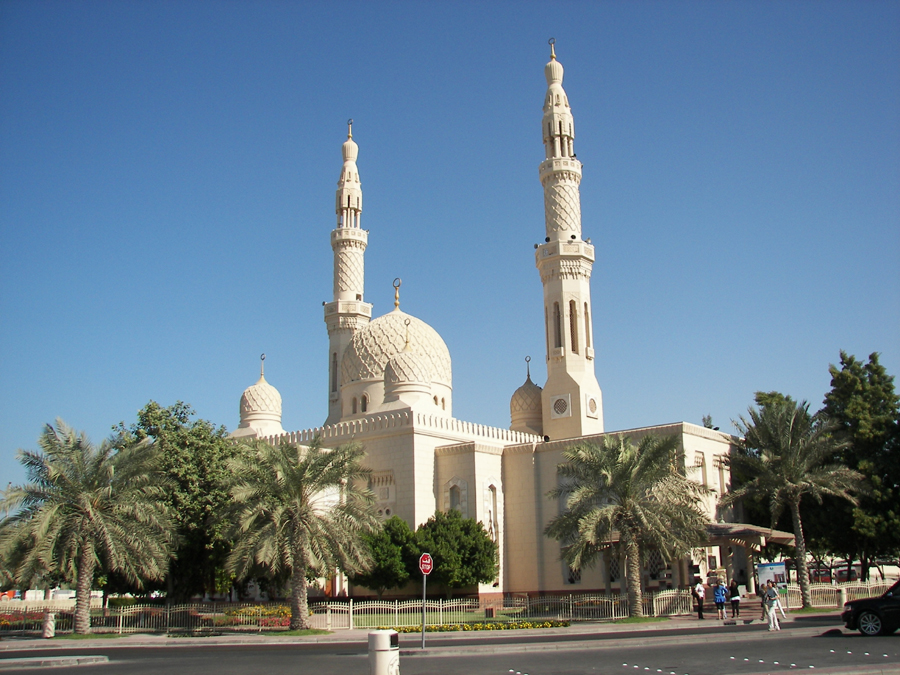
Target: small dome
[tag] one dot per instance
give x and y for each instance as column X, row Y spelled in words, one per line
column 350, row 150
column 553, row 71
column 526, row 399
column 368, row 353
column 406, row 367
column 525, row 410
column 260, row 410
column 261, row 397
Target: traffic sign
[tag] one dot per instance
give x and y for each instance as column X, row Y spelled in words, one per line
column 426, row 563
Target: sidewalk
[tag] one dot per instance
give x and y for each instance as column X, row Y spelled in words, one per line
column 818, row 623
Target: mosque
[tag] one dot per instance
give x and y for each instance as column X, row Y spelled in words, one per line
column 390, row 388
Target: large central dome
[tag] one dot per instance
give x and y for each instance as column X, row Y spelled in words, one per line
column 372, row 347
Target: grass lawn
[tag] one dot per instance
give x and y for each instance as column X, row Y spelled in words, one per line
column 293, row 633
column 89, row 636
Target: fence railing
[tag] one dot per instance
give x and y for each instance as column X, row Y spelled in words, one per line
column 835, row 595
column 27, row 618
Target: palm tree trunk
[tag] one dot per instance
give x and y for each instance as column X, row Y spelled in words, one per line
column 800, row 555
column 83, row 592
column 635, row 604
column 299, row 604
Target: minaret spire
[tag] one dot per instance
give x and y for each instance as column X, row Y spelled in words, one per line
column 571, row 400
column 347, row 312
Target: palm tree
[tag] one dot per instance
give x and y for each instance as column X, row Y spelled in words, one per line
column 784, row 454
column 299, row 511
column 86, row 506
column 633, row 496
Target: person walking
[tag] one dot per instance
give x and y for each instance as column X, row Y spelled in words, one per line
column 771, row 600
column 734, row 594
column 699, row 596
column 719, row 593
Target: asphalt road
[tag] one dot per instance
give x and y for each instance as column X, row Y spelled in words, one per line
column 718, row 651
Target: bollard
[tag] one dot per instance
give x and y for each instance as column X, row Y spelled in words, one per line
column 384, row 652
column 49, row 624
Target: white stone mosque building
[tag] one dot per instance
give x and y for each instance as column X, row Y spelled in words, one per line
column 390, row 388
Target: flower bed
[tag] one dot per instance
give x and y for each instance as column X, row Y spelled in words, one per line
column 450, row 627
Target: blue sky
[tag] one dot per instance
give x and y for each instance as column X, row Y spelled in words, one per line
column 167, row 177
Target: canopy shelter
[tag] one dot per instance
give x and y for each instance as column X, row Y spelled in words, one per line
column 751, row 537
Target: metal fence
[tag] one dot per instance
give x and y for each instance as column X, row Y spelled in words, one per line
column 829, row 596
column 27, row 618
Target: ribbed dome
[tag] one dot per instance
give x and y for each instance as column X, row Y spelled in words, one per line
column 371, row 348
column 553, row 71
column 261, row 397
column 406, row 367
column 350, row 150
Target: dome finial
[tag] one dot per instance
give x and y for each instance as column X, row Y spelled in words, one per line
column 350, row 128
column 396, row 285
column 528, row 367
column 262, row 363
column 406, row 347
column 551, row 42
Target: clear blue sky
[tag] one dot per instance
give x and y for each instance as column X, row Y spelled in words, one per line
column 167, row 177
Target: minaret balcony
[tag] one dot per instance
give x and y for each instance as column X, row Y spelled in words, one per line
column 572, row 249
column 558, row 164
column 348, row 308
column 349, row 234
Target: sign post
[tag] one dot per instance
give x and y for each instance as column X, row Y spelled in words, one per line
column 426, row 564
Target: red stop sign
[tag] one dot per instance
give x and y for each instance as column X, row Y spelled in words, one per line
column 426, row 563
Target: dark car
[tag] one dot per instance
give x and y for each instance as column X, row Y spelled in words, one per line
column 874, row 616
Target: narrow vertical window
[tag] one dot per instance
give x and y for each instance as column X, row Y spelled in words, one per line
column 557, row 326
column 455, row 500
column 353, row 406
column 587, row 326
column 364, row 403
column 334, row 372
column 547, row 330
column 493, row 518
column 573, row 325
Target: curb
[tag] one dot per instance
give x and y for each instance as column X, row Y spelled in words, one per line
column 600, row 644
column 51, row 662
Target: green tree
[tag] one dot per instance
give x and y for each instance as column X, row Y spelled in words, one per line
column 639, row 492
column 86, row 506
column 394, row 556
column 863, row 404
column 784, row 454
column 464, row 553
column 194, row 455
column 300, row 511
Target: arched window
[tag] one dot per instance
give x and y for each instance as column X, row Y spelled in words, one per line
column 557, row 326
column 455, row 498
column 334, row 372
column 547, row 330
column 443, row 404
column 436, row 400
column 700, row 463
column 364, row 403
column 587, row 326
column 353, row 406
column 573, row 325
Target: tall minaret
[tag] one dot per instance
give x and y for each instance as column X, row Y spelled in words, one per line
column 347, row 313
column 571, row 401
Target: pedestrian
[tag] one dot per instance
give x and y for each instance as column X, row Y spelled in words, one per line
column 719, row 593
column 699, row 596
column 734, row 593
column 771, row 600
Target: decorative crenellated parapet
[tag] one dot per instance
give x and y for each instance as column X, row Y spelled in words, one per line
column 346, row 431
